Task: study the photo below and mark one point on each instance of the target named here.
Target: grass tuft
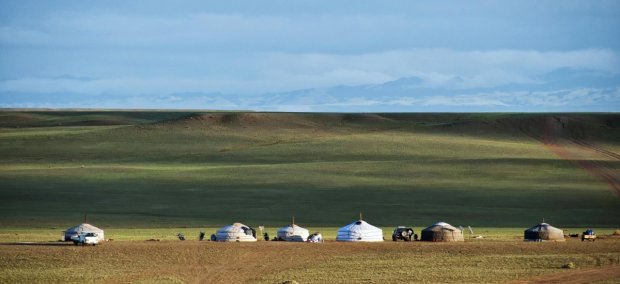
(569, 265)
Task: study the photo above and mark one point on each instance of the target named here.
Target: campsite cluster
(358, 231)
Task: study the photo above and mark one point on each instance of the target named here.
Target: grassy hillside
(154, 169)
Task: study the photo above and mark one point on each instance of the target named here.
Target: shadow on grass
(521, 161)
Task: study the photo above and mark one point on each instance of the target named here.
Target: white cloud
(275, 72)
(208, 31)
(133, 52)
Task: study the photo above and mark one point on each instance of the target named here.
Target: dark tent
(543, 232)
(442, 232)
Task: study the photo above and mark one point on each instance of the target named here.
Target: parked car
(85, 239)
(588, 235)
(315, 238)
(403, 233)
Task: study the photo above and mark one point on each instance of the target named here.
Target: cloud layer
(275, 72)
(143, 51)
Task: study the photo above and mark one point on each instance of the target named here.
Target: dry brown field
(474, 261)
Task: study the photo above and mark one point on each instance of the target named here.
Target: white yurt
(236, 232)
(293, 233)
(359, 231)
(82, 228)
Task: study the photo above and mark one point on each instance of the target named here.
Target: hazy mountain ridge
(564, 89)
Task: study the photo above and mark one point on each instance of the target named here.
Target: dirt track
(577, 276)
(558, 138)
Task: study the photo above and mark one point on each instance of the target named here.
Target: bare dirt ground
(593, 275)
(331, 262)
(560, 137)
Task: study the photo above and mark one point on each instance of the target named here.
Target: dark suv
(403, 233)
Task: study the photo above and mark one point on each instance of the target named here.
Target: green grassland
(149, 175)
(192, 169)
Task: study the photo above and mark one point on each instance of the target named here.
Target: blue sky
(312, 55)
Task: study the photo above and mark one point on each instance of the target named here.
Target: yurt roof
(292, 226)
(360, 223)
(85, 227)
(233, 227)
(443, 225)
(542, 225)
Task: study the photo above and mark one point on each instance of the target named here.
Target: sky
(312, 55)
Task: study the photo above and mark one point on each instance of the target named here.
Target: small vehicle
(315, 238)
(85, 239)
(588, 235)
(403, 233)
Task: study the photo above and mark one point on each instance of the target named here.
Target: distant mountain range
(564, 89)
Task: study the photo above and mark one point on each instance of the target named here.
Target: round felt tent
(359, 231)
(82, 228)
(293, 233)
(543, 232)
(442, 232)
(236, 232)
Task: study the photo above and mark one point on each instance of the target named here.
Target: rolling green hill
(154, 169)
